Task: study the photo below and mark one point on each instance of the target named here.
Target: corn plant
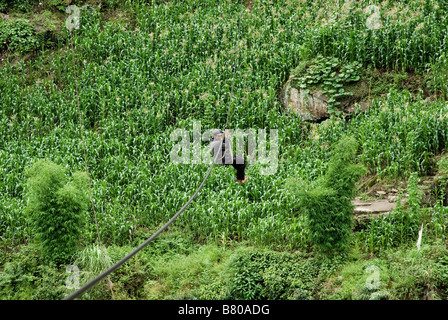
(175, 64)
(402, 225)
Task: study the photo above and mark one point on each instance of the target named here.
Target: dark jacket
(223, 148)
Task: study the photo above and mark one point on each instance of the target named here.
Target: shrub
(16, 5)
(55, 207)
(271, 275)
(342, 174)
(328, 205)
(27, 277)
(18, 35)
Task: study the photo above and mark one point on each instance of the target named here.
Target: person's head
(218, 134)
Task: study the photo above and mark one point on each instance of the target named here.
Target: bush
(16, 5)
(18, 35)
(27, 277)
(328, 205)
(55, 207)
(271, 275)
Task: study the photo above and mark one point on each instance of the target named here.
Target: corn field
(178, 64)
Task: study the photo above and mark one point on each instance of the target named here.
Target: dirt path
(381, 206)
(372, 208)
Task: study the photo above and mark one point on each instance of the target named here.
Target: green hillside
(142, 69)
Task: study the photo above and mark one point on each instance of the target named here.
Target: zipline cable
(107, 272)
(94, 281)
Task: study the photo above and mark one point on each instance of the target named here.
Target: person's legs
(239, 165)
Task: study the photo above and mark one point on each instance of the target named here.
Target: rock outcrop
(312, 104)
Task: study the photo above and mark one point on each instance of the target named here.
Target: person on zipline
(221, 145)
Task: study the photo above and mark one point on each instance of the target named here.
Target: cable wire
(94, 281)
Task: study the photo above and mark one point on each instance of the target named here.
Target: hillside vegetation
(145, 68)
